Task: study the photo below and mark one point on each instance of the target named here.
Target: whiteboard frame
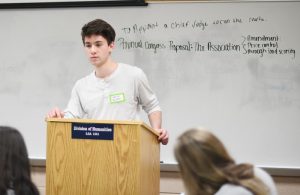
(72, 4)
(111, 3)
(274, 171)
(216, 1)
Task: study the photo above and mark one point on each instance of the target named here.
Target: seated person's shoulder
(267, 179)
(231, 189)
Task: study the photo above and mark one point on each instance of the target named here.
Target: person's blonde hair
(205, 165)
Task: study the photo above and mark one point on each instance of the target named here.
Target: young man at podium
(113, 91)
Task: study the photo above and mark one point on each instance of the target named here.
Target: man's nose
(93, 48)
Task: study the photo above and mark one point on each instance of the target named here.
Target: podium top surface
(118, 122)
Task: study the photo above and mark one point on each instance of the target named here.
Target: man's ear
(112, 45)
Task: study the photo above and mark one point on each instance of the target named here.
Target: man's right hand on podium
(55, 113)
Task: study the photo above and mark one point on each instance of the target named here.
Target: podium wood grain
(127, 165)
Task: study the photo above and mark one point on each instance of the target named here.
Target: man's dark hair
(98, 27)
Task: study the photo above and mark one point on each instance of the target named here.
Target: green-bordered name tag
(116, 98)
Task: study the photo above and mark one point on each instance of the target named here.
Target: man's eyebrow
(88, 42)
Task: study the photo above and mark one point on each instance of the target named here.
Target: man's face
(97, 49)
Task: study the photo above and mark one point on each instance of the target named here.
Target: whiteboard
(230, 67)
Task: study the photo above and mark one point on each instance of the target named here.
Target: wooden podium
(126, 162)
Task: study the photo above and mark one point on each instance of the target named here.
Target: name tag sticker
(92, 131)
(116, 98)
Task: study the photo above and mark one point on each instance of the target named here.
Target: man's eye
(88, 46)
(98, 45)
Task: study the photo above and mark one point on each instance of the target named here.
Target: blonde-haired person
(208, 169)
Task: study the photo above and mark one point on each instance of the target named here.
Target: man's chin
(94, 63)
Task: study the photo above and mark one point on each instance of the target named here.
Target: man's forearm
(155, 119)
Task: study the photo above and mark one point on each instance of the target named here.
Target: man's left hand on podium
(163, 136)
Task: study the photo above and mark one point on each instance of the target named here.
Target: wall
(171, 183)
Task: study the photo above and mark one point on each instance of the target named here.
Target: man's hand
(155, 121)
(55, 113)
(163, 136)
